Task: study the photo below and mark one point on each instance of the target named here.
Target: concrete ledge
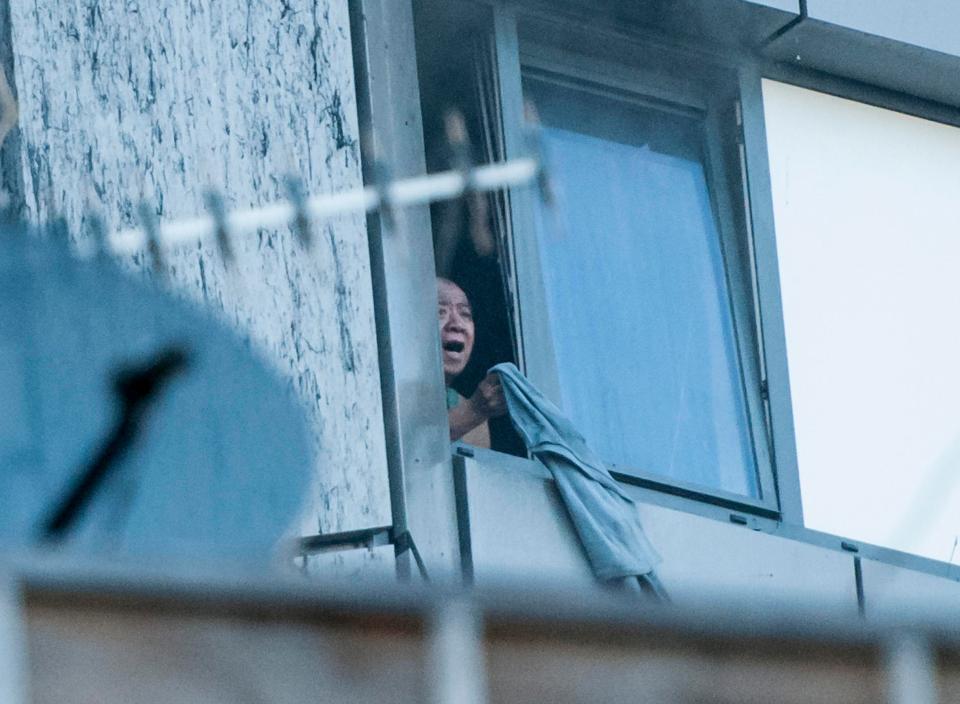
(514, 527)
(919, 58)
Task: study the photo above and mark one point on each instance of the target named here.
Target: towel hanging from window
(604, 516)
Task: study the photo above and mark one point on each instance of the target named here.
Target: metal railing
(446, 645)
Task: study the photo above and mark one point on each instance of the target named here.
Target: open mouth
(453, 347)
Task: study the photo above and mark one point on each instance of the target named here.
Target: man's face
(456, 328)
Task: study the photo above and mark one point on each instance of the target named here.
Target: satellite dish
(195, 448)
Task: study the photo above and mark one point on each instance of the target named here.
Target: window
(636, 292)
(638, 268)
(630, 303)
(865, 203)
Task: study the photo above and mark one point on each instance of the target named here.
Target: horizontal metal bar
(745, 505)
(346, 540)
(194, 587)
(418, 190)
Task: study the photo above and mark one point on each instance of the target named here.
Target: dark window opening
(449, 38)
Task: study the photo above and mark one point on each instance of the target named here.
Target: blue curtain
(638, 302)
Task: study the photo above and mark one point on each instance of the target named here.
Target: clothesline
(418, 190)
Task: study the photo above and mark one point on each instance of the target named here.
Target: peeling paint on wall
(123, 100)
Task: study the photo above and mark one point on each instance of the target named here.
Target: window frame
(516, 58)
(766, 275)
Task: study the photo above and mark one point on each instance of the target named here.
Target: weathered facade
(122, 104)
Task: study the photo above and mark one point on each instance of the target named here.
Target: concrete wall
(121, 101)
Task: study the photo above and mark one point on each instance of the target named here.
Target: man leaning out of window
(467, 416)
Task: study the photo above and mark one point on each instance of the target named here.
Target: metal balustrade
(81, 632)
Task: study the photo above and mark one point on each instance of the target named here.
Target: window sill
(514, 527)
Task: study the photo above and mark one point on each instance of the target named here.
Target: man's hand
(488, 400)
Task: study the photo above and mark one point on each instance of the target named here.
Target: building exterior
(741, 288)
(762, 82)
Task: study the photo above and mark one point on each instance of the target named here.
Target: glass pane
(868, 242)
(637, 297)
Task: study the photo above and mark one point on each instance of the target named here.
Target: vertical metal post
(456, 668)
(405, 295)
(13, 645)
(858, 582)
(539, 364)
(911, 670)
(768, 288)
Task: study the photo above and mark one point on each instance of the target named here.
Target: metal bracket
(366, 538)
(347, 540)
(403, 542)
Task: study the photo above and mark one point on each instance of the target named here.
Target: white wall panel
(898, 592)
(519, 529)
(704, 557)
(864, 200)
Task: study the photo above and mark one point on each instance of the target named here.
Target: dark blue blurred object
(219, 460)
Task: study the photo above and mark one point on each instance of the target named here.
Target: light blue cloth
(605, 518)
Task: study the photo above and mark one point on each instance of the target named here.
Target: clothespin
(458, 141)
(534, 145)
(301, 221)
(451, 224)
(96, 233)
(148, 221)
(455, 129)
(58, 231)
(95, 243)
(214, 203)
(382, 178)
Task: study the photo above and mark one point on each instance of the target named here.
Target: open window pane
(638, 303)
(868, 242)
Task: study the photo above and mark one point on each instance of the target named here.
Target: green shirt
(453, 398)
